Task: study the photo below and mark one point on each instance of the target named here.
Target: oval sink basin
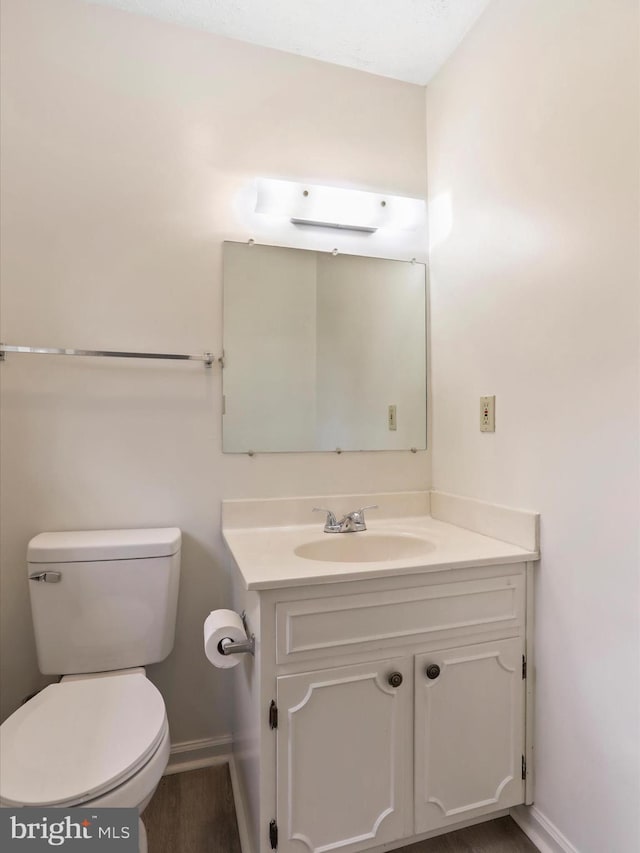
(365, 547)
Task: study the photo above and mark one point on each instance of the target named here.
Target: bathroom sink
(365, 547)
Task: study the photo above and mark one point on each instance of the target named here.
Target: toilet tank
(106, 599)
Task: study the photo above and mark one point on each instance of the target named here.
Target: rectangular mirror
(322, 351)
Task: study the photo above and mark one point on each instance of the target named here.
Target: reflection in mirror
(322, 351)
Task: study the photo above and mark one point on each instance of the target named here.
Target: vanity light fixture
(336, 207)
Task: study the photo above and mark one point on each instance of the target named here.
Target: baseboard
(241, 808)
(192, 754)
(539, 829)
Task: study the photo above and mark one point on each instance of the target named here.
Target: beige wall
(533, 158)
(128, 146)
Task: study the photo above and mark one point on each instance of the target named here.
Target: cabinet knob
(395, 679)
(433, 670)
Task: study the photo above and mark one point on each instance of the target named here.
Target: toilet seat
(80, 738)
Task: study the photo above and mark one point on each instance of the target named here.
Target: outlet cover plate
(488, 414)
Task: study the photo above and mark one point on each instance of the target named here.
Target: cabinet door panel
(343, 740)
(469, 733)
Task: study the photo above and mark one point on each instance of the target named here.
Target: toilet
(103, 604)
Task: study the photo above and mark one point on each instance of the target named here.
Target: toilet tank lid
(79, 546)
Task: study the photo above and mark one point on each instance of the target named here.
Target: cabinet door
(343, 776)
(469, 732)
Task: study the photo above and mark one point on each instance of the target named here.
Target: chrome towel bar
(207, 357)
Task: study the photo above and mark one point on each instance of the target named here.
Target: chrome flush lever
(46, 577)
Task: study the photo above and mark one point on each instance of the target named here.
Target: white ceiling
(405, 39)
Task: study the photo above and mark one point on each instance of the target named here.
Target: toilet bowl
(90, 741)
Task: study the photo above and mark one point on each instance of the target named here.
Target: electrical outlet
(488, 414)
(393, 425)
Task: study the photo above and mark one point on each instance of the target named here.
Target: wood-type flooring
(193, 812)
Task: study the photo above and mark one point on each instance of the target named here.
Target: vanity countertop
(267, 559)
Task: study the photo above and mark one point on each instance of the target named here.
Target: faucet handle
(362, 509)
(331, 519)
(354, 521)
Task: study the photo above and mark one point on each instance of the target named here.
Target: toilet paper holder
(227, 646)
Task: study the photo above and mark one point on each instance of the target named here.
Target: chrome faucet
(352, 522)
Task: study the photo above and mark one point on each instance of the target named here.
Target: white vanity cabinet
(380, 711)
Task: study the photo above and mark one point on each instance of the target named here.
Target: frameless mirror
(322, 351)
